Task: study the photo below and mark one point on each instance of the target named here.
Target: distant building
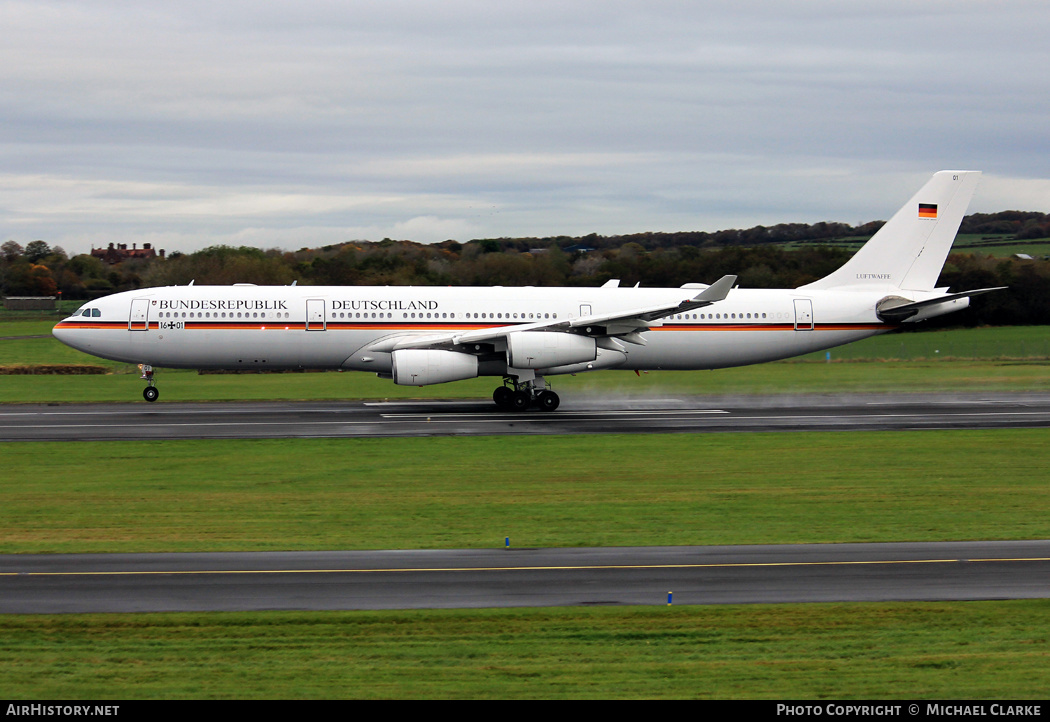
(118, 252)
(29, 303)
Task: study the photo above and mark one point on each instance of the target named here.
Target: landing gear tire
(503, 397)
(150, 393)
(520, 400)
(548, 400)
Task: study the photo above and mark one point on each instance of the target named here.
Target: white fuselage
(426, 335)
(332, 327)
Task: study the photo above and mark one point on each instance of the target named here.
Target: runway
(578, 415)
(524, 578)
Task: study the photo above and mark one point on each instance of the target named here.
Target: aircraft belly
(276, 347)
(696, 349)
(688, 350)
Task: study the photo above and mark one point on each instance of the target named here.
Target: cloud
(201, 121)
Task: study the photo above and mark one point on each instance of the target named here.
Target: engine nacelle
(546, 349)
(606, 359)
(422, 367)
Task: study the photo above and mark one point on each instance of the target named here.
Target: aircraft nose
(63, 334)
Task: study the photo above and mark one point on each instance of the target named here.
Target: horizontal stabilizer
(895, 308)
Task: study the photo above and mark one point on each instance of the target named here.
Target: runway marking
(478, 401)
(595, 567)
(738, 419)
(932, 403)
(520, 416)
(477, 414)
(139, 425)
(171, 411)
(354, 422)
(465, 402)
(560, 414)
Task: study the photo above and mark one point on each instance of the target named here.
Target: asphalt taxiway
(523, 577)
(578, 415)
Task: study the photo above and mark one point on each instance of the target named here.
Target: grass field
(553, 491)
(1006, 359)
(550, 491)
(1000, 246)
(954, 651)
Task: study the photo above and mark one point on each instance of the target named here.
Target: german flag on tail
(928, 210)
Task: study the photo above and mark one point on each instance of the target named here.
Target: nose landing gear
(150, 393)
(515, 396)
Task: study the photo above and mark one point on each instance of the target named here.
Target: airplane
(417, 336)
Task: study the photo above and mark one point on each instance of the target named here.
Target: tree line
(651, 259)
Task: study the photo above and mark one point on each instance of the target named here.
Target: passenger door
(139, 320)
(803, 314)
(315, 318)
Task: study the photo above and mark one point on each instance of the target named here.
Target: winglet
(717, 291)
(714, 293)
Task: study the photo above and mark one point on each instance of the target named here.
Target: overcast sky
(281, 124)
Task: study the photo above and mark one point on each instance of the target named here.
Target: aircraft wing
(623, 324)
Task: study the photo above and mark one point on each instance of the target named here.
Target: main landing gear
(515, 396)
(150, 393)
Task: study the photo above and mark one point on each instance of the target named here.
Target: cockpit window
(90, 312)
(86, 312)
(95, 313)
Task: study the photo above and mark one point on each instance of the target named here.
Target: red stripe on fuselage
(388, 326)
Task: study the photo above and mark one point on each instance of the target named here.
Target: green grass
(10, 328)
(1001, 245)
(986, 650)
(1002, 342)
(776, 378)
(549, 491)
(999, 359)
(997, 245)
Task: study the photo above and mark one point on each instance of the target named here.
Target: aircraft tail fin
(909, 251)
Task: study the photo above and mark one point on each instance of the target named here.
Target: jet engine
(422, 367)
(545, 349)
